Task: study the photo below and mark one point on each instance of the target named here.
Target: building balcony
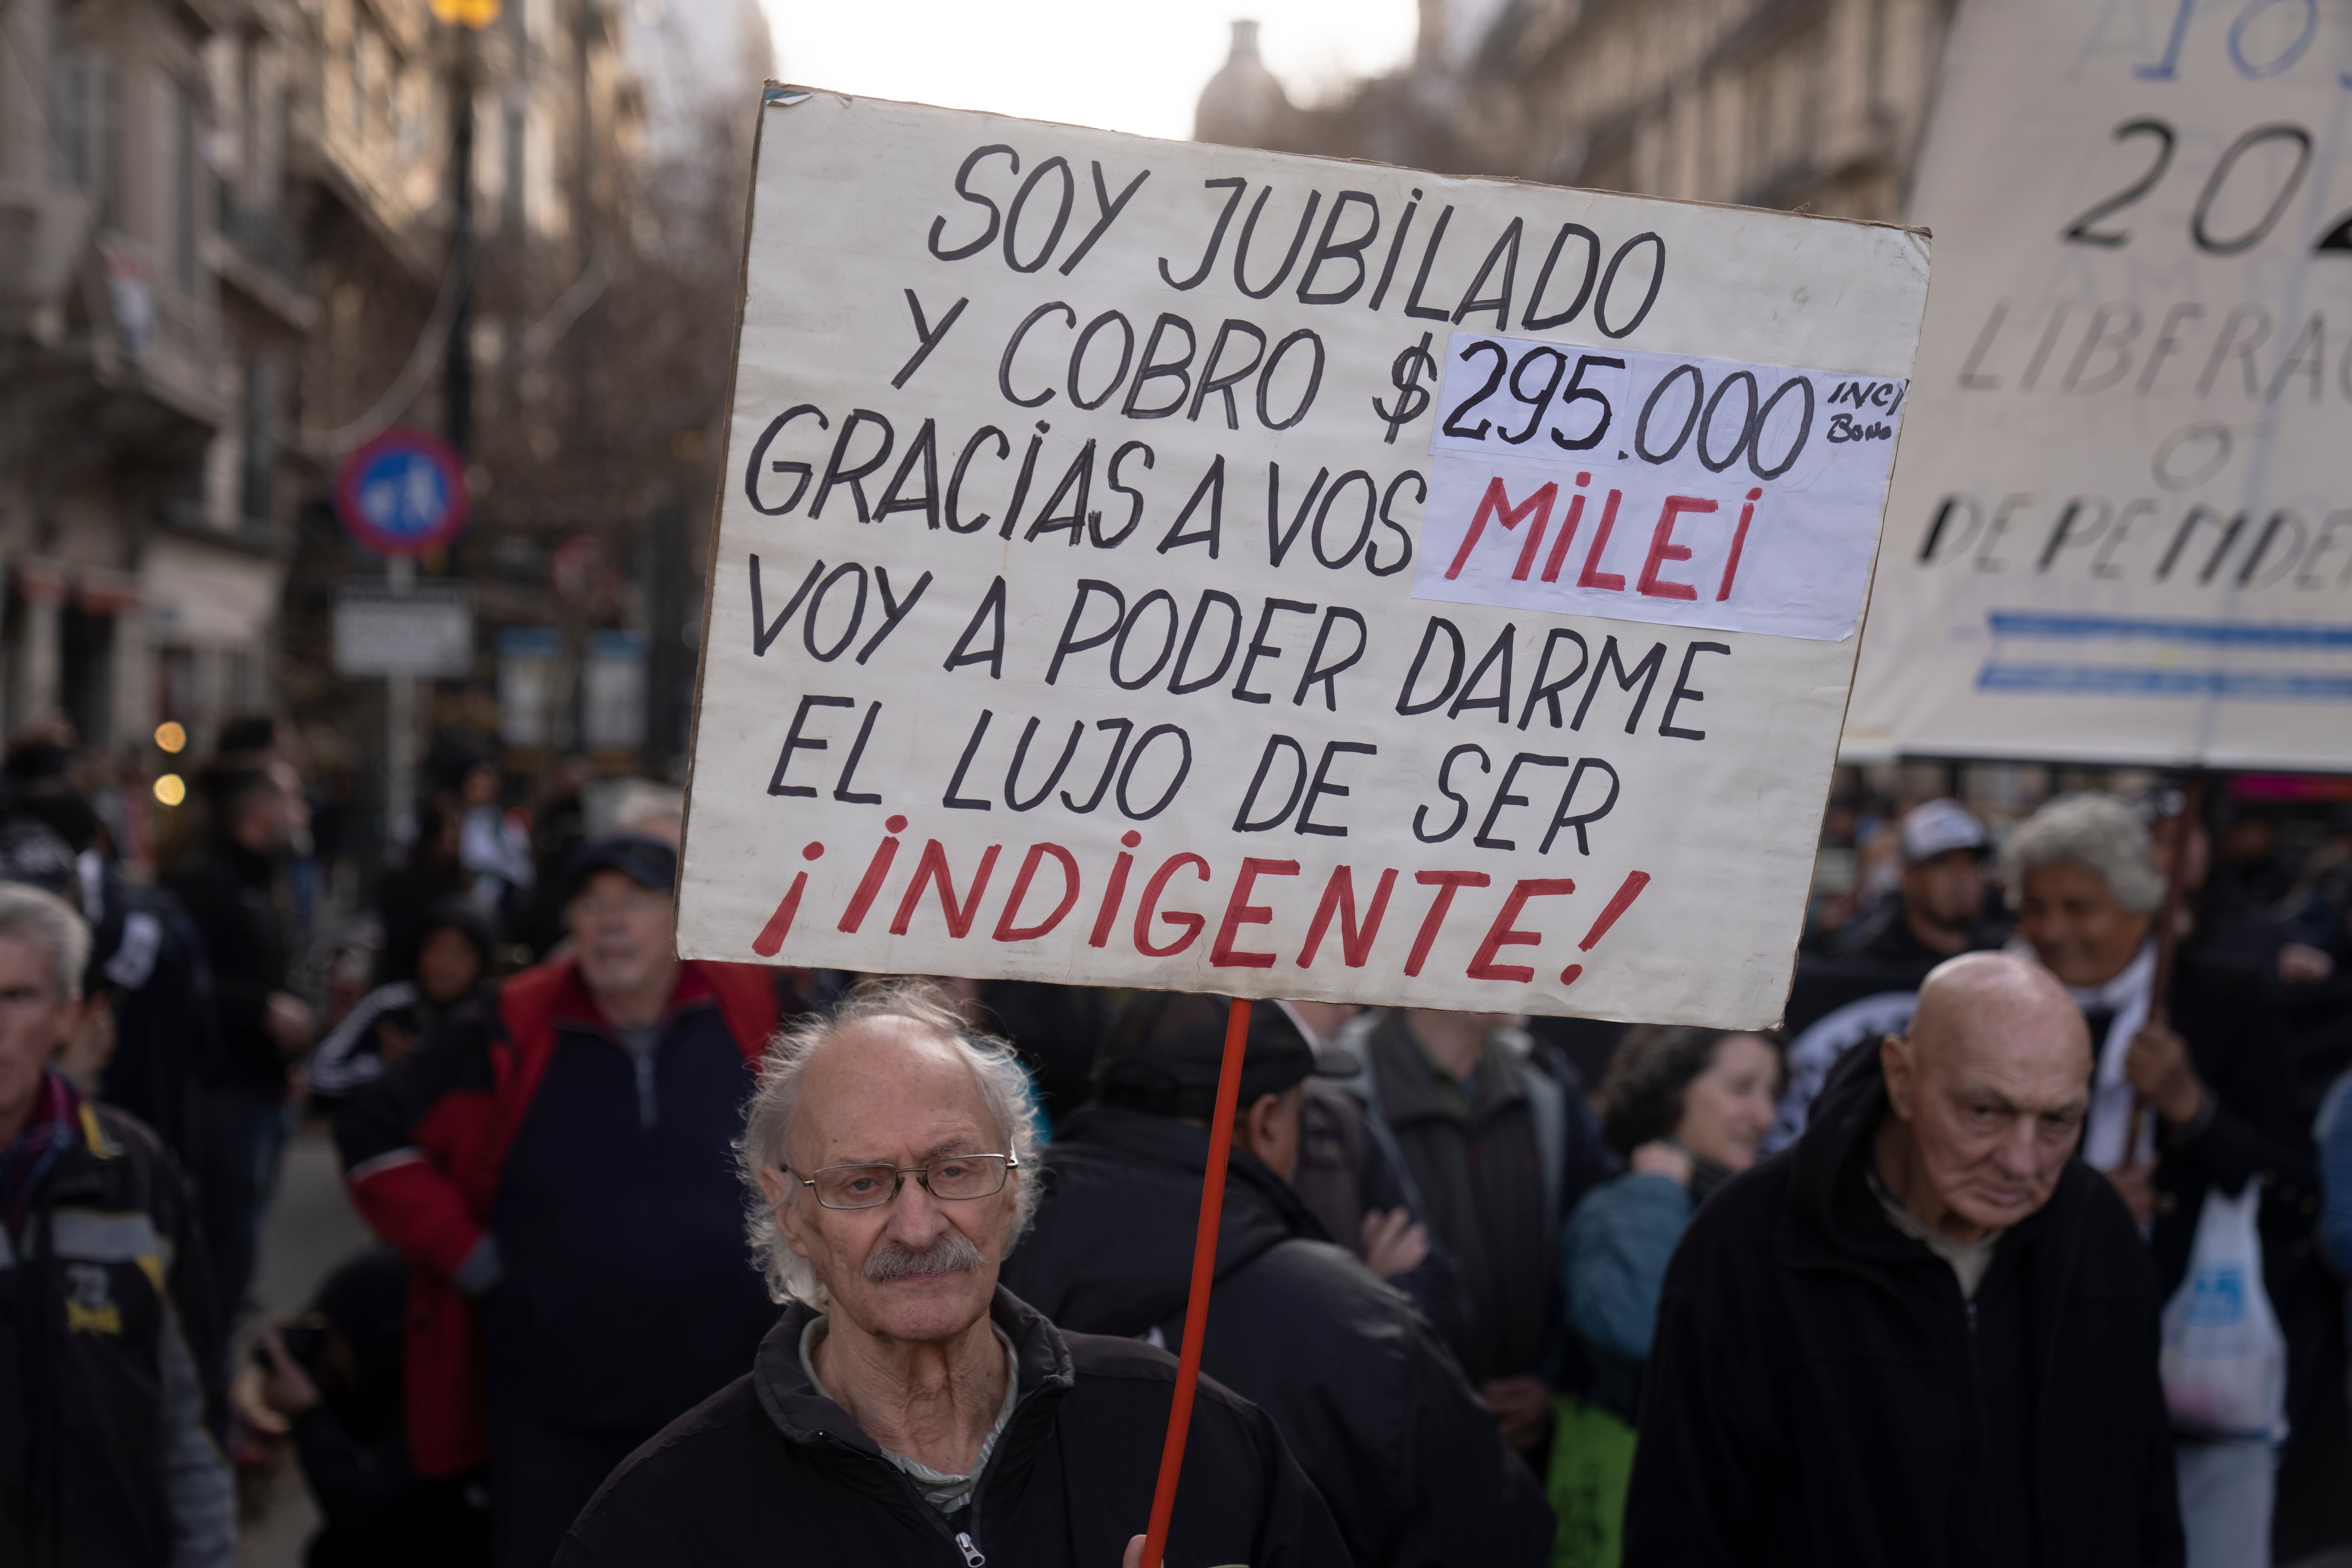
(375, 186)
(44, 231)
(262, 240)
(256, 255)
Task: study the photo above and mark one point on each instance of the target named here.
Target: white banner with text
(2122, 532)
(1080, 607)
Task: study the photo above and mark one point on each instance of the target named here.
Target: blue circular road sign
(403, 493)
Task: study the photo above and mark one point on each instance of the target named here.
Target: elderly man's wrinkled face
(919, 1268)
(1994, 1084)
(2078, 930)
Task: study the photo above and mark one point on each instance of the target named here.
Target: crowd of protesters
(676, 1262)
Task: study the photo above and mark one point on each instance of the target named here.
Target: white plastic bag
(2224, 1358)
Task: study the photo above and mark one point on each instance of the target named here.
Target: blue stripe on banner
(2107, 680)
(2232, 634)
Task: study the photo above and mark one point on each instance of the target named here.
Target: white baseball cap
(1939, 827)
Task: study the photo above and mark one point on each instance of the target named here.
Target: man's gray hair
(2097, 832)
(43, 920)
(1003, 1085)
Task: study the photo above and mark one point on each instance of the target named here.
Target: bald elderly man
(906, 1409)
(1925, 1336)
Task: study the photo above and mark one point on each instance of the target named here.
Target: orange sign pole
(1204, 1273)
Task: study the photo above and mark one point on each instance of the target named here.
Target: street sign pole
(401, 494)
(400, 725)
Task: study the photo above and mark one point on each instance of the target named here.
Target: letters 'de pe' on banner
(1155, 565)
(2123, 528)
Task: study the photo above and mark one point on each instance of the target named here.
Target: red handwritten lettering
(1502, 934)
(933, 867)
(1340, 898)
(1006, 929)
(1240, 912)
(1497, 504)
(1448, 884)
(1592, 576)
(1664, 548)
(1184, 920)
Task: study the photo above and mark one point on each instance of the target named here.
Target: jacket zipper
(973, 1557)
(1976, 1392)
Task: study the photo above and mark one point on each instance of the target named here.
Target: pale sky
(1120, 65)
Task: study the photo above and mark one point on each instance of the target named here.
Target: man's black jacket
(1362, 1388)
(230, 894)
(148, 957)
(1886, 936)
(1821, 1396)
(767, 1471)
(111, 1393)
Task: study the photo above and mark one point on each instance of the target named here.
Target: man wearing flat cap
(1363, 1390)
(555, 1161)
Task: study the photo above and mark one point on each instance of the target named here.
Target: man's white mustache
(952, 1253)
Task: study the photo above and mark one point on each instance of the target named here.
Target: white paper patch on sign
(1649, 486)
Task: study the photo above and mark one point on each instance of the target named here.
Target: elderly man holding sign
(906, 1408)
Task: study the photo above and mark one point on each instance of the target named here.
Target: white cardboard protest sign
(2123, 527)
(1076, 612)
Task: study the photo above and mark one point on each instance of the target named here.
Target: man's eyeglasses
(952, 1177)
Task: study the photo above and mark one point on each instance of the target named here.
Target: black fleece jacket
(1820, 1394)
(767, 1471)
(1364, 1391)
(230, 894)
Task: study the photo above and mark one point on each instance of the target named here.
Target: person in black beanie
(1360, 1384)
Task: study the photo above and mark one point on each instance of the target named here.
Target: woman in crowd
(456, 944)
(1685, 1108)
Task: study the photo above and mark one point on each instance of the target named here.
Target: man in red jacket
(556, 1161)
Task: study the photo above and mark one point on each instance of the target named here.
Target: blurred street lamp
(170, 737)
(171, 789)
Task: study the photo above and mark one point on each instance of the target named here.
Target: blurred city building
(1785, 103)
(230, 253)
(575, 351)
(145, 338)
(1812, 104)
